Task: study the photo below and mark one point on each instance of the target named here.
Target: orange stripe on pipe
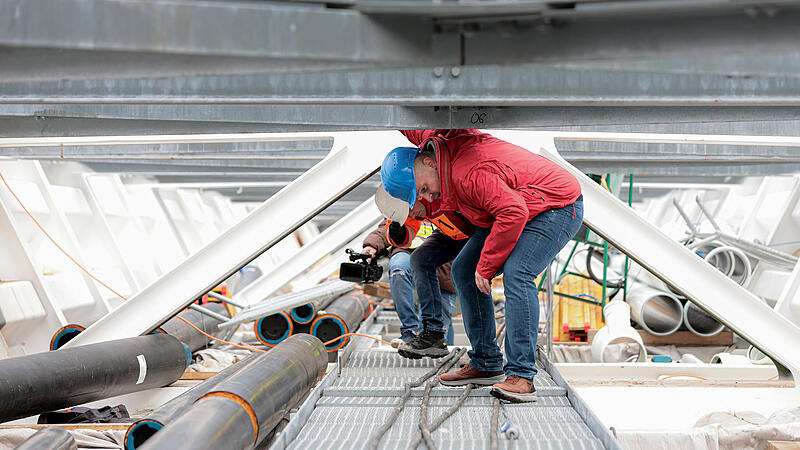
(241, 402)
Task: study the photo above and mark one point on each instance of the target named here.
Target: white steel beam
(354, 158)
(676, 265)
(345, 229)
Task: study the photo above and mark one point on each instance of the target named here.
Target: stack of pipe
(735, 264)
(275, 328)
(273, 317)
(342, 316)
(242, 410)
(42, 382)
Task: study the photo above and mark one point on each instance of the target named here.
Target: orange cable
(776, 376)
(53, 240)
(98, 280)
(683, 375)
(218, 339)
(355, 334)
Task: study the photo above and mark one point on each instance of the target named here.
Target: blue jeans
(542, 238)
(401, 284)
(436, 305)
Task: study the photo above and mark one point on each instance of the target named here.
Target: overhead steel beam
(495, 10)
(686, 169)
(236, 28)
(27, 64)
(218, 163)
(763, 64)
(39, 122)
(256, 150)
(439, 86)
(191, 171)
(621, 36)
(354, 159)
(723, 119)
(402, 32)
(679, 154)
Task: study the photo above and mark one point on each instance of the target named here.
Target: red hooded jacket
(495, 184)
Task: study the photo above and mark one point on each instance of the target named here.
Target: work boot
(470, 375)
(515, 389)
(429, 343)
(405, 338)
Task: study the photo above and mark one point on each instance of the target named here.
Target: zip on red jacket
(495, 184)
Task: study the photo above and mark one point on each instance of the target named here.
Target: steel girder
(296, 36)
(485, 86)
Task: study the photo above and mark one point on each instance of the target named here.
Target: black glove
(397, 232)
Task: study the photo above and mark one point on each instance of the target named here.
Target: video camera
(360, 272)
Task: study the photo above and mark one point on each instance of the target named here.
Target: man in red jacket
(525, 209)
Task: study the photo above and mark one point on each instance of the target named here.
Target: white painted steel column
(345, 229)
(353, 158)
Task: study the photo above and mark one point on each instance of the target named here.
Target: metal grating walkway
(359, 401)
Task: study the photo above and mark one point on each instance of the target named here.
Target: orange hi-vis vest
(444, 224)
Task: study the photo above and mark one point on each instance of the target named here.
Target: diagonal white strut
(354, 158)
(701, 283)
(345, 229)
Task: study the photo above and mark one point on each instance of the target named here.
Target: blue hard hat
(397, 174)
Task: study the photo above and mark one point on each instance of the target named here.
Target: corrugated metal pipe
(244, 408)
(42, 382)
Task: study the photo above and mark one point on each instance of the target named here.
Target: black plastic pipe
(244, 408)
(273, 329)
(64, 335)
(341, 317)
(181, 331)
(141, 430)
(304, 314)
(47, 381)
(49, 438)
(174, 327)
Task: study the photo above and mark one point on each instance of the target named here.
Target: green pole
(627, 260)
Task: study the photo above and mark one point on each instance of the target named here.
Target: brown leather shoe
(470, 375)
(515, 389)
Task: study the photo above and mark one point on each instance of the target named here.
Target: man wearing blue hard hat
(525, 208)
(436, 252)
